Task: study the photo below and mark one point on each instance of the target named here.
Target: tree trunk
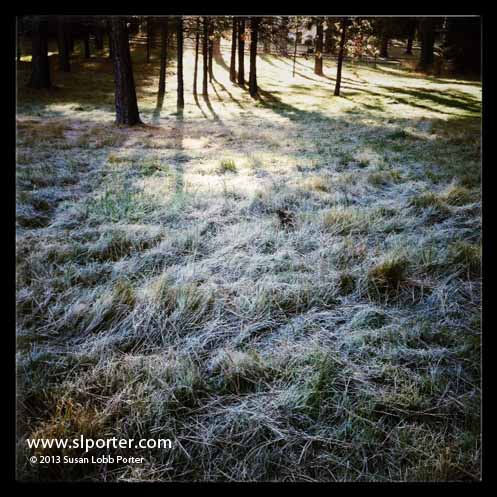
(86, 41)
(163, 59)
(284, 37)
(179, 40)
(318, 56)
(152, 35)
(63, 45)
(295, 47)
(99, 38)
(340, 57)
(328, 37)
(427, 36)
(19, 39)
(384, 46)
(254, 28)
(205, 68)
(109, 29)
(148, 41)
(410, 41)
(234, 36)
(410, 38)
(40, 64)
(195, 70)
(267, 45)
(267, 36)
(126, 104)
(216, 46)
(211, 48)
(241, 51)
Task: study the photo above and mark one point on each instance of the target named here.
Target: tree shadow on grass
(179, 183)
(219, 59)
(223, 88)
(380, 137)
(211, 109)
(460, 101)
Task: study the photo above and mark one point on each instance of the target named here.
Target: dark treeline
(453, 43)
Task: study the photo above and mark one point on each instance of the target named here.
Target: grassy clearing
(161, 294)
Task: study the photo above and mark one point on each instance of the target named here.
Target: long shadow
(214, 88)
(400, 100)
(223, 88)
(213, 112)
(218, 57)
(416, 75)
(329, 78)
(179, 183)
(268, 59)
(464, 102)
(381, 140)
(195, 97)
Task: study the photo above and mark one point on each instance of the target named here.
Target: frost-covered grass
(160, 296)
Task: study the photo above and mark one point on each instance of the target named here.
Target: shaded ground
(160, 296)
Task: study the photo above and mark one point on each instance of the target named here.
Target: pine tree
(318, 56)
(328, 37)
(179, 39)
(163, 58)
(195, 70)
(149, 35)
(40, 65)
(254, 28)
(341, 52)
(126, 104)
(63, 44)
(86, 42)
(427, 36)
(205, 39)
(241, 51)
(234, 36)
(211, 48)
